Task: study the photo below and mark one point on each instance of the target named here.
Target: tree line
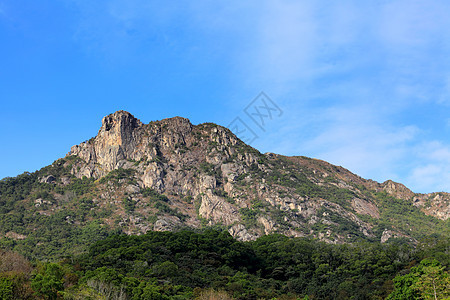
(192, 265)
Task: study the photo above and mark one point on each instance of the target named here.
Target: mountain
(171, 174)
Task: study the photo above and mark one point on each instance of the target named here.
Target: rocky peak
(177, 124)
(122, 139)
(118, 127)
(211, 175)
(116, 141)
(173, 131)
(397, 190)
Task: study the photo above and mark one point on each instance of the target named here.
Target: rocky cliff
(210, 177)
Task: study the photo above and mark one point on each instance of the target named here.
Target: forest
(210, 264)
(57, 244)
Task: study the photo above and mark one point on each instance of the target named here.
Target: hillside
(171, 174)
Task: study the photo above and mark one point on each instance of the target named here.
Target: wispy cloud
(357, 139)
(401, 41)
(352, 72)
(360, 70)
(432, 167)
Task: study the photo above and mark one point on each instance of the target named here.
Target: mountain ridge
(122, 138)
(170, 174)
(395, 189)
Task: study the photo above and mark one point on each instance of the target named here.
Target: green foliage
(187, 265)
(15, 189)
(286, 174)
(428, 280)
(241, 177)
(129, 205)
(249, 216)
(257, 203)
(6, 288)
(56, 236)
(182, 148)
(220, 193)
(163, 208)
(208, 168)
(165, 269)
(43, 195)
(188, 199)
(213, 259)
(149, 291)
(119, 174)
(279, 217)
(48, 281)
(160, 203)
(344, 226)
(404, 216)
(433, 283)
(154, 195)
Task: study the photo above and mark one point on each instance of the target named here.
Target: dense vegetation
(395, 214)
(27, 210)
(187, 265)
(62, 237)
(50, 220)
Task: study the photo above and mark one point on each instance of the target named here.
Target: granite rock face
(212, 177)
(116, 141)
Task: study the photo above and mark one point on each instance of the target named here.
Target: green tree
(434, 283)
(165, 270)
(428, 280)
(148, 291)
(403, 288)
(48, 281)
(6, 288)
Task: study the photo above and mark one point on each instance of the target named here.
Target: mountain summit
(227, 182)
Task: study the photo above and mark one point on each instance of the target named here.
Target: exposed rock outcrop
(211, 176)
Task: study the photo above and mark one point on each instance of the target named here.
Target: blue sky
(365, 85)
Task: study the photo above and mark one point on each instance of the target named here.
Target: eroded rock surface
(211, 177)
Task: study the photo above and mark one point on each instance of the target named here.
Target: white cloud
(356, 139)
(432, 173)
(286, 40)
(367, 143)
(350, 71)
(444, 99)
(424, 176)
(435, 151)
(432, 168)
(372, 65)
